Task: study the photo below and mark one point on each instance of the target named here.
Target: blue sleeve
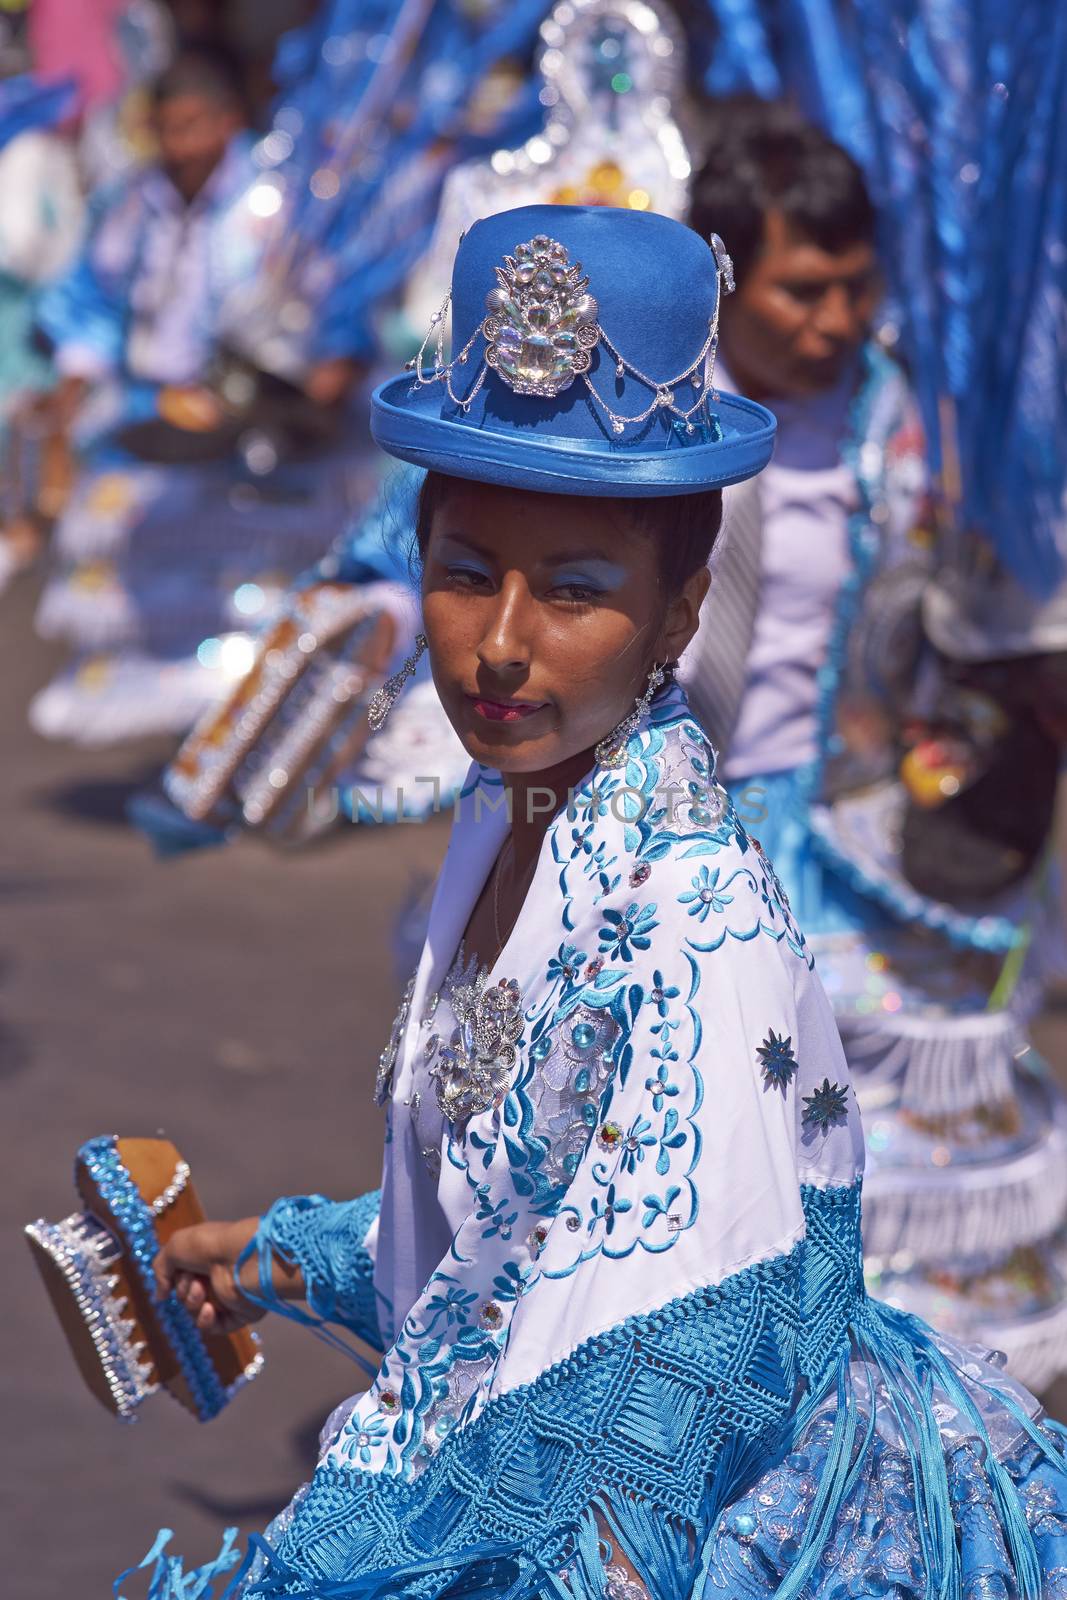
(86, 310)
(332, 1242)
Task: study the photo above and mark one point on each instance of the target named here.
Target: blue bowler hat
(583, 351)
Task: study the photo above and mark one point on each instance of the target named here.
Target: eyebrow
(558, 558)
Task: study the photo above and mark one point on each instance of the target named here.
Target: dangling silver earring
(386, 697)
(611, 752)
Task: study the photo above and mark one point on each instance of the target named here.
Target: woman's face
(544, 614)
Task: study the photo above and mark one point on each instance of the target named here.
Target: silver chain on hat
(700, 372)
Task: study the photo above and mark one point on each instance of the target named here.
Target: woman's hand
(200, 1265)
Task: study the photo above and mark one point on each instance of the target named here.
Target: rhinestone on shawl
(538, 1238)
(491, 1316)
(387, 1060)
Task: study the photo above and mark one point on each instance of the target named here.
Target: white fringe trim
(88, 619)
(934, 1066)
(153, 698)
(91, 528)
(1036, 1348)
(970, 1210)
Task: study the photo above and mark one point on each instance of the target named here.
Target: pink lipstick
(505, 710)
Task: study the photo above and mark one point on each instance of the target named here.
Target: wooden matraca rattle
(97, 1268)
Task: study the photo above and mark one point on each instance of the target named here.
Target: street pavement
(237, 999)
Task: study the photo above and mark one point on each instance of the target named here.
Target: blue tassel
(169, 1582)
(268, 1300)
(901, 1353)
(163, 1538)
(913, 1340)
(842, 1465)
(660, 1550)
(479, 1572)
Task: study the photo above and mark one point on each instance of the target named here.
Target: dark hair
(206, 71)
(763, 156)
(684, 526)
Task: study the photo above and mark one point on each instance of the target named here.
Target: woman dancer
(614, 1267)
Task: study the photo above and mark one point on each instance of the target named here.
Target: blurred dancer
(138, 302)
(207, 473)
(807, 668)
(41, 215)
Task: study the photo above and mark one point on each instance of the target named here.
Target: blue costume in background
(155, 565)
(40, 220)
(966, 1189)
(955, 113)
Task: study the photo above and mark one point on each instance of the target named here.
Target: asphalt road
(237, 999)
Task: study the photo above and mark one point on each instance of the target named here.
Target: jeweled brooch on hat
(540, 331)
(542, 325)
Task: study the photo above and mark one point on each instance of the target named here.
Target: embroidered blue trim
(993, 933)
(136, 1223)
(651, 1408)
(982, 933)
(324, 1238)
(657, 1428)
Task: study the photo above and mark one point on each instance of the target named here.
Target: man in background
(794, 211)
(141, 300)
(877, 769)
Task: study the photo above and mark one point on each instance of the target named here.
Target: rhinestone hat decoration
(540, 331)
(541, 327)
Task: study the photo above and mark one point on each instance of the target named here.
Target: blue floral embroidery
(566, 965)
(659, 1084)
(639, 1139)
(670, 1139)
(360, 1446)
(501, 1217)
(705, 895)
(607, 1210)
(662, 993)
(454, 1305)
(659, 1205)
(509, 1283)
(628, 931)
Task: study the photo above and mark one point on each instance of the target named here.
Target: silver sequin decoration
(472, 1070)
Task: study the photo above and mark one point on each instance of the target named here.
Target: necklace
(509, 845)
